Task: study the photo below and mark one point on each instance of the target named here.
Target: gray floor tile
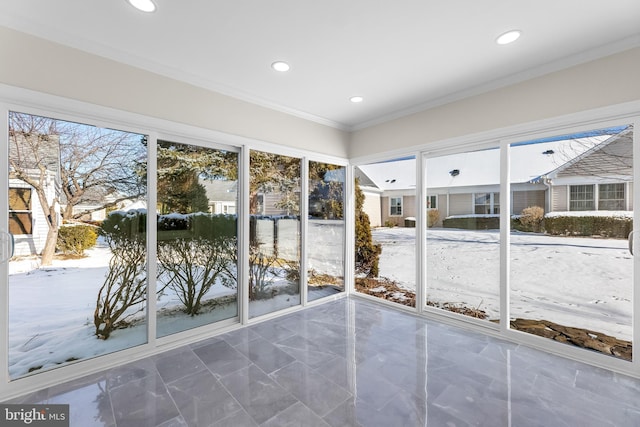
(272, 332)
(305, 350)
(221, 358)
(258, 394)
(179, 364)
(238, 419)
(89, 405)
(202, 399)
(142, 403)
(311, 388)
(296, 415)
(265, 355)
(350, 363)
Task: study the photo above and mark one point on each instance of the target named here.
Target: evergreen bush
(367, 252)
(75, 239)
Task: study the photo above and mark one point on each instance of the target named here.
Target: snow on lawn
(574, 281)
(51, 308)
(51, 313)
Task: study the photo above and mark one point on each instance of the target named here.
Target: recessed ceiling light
(509, 37)
(143, 5)
(356, 99)
(280, 66)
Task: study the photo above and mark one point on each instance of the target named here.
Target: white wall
(37, 64)
(607, 81)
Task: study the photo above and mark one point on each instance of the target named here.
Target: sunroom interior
(298, 332)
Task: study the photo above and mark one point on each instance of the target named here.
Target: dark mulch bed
(584, 338)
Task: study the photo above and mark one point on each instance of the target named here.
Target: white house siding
(559, 198)
(630, 196)
(32, 244)
(524, 199)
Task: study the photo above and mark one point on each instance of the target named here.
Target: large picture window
(581, 198)
(611, 197)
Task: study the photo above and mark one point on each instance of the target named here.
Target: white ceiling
(400, 55)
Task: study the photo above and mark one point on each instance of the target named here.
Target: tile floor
(350, 363)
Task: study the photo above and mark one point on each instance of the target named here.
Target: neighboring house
(92, 205)
(590, 173)
(598, 179)
(27, 221)
(222, 195)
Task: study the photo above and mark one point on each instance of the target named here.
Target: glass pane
(325, 236)
(385, 244)
(78, 281)
(197, 236)
(463, 234)
(19, 199)
(571, 270)
(274, 232)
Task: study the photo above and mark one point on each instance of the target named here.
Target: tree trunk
(49, 249)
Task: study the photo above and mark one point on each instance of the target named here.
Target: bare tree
(100, 166)
(70, 163)
(34, 159)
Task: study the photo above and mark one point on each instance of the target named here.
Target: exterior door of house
(571, 277)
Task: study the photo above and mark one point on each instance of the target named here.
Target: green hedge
(132, 225)
(472, 223)
(605, 226)
(76, 239)
(201, 225)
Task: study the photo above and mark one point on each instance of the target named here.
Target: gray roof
(221, 190)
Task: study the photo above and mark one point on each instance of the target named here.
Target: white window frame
(398, 206)
(431, 197)
(494, 202)
(623, 200)
(592, 200)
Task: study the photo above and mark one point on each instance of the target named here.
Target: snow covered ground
(574, 281)
(51, 308)
(51, 313)
(583, 282)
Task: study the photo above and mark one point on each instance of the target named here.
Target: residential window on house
(611, 197)
(581, 198)
(395, 204)
(20, 221)
(432, 202)
(486, 203)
